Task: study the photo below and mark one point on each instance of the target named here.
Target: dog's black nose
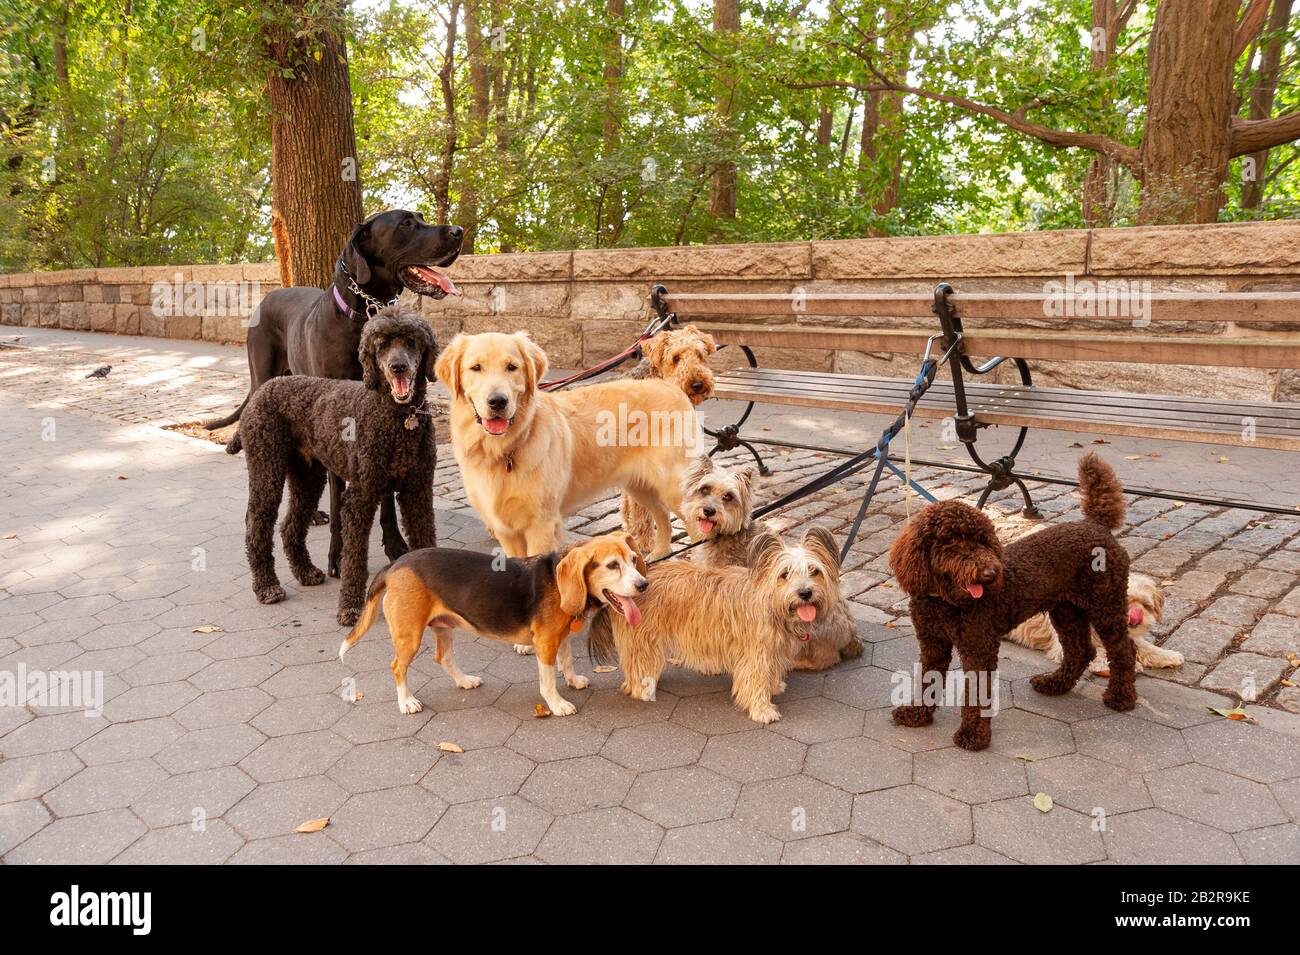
(708, 511)
(498, 402)
(805, 594)
(455, 232)
(398, 368)
(641, 587)
(697, 386)
(988, 575)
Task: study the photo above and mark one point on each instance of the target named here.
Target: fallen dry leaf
(540, 712)
(603, 668)
(1043, 802)
(1026, 759)
(121, 477)
(1132, 457)
(1288, 682)
(10, 537)
(1237, 714)
(314, 825)
(1100, 441)
(1223, 458)
(447, 747)
(208, 628)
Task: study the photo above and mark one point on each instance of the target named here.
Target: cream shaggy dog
(530, 458)
(1145, 602)
(749, 621)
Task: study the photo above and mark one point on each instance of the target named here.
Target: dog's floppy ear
(821, 543)
(353, 258)
(371, 338)
(447, 366)
(571, 579)
(710, 346)
(763, 549)
(636, 551)
(746, 476)
(654, 348)
(535, 363)
(699, 467)
(430, 350)
(907, 557)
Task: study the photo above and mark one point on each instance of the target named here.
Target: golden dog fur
(551, 461)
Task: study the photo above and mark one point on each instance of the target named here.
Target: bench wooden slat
(1018, 407)
(1063, 346)
(1265, 307)
(1287, 414)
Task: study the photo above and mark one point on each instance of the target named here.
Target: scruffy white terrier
(1145, 603)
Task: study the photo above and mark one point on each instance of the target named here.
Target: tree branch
(1252, 21)
(1252, 135)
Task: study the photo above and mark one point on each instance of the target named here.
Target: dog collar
(343, 306)
(373, 305)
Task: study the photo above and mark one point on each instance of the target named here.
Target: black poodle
(376, 434)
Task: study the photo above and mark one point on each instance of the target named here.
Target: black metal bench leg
(728, 437)
(1002, 475)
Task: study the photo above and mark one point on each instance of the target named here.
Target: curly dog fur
(369, 432)
(967, 591)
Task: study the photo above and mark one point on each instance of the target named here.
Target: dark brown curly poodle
(967, 591)
(375, 434)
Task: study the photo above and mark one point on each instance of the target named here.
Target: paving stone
(1172, 705)
(1024, 735)
(1247, 676)
(304, 714)
(711, 714)
(683, 796)
(1202, 640)
(28, 777)
(1244, 750)
(1088, 785)
(816, 719)
(399, 855)
(370, 722)
(722, 842)
(1287, 795)
(1156, 837)
(107, 786)
(794, 807)
(610, 706)
(184, 845)
(276, 809)
(962, 855)
(296, 849)
(234, 674)
(123, 741)
(654, 746)
(1275, 635)
(209, 748)
(1236, 610)
(912, 820)
(1016, 829)
(146, 702)
(858, 765)
(489, 830)
(840, 848)
(864, 687)
(383, 765)
(612, 836)
(970, 777)
(1080, 704)
(1135, 744)
(1213, 797)
(288, 757)
(165, 668)
(755, 755)
(49, 734)
(572, 785)
(1276, 845)
(79, 840)
(478, 774)
(469, 729)
(19, 821)
(206, 794)
(387, 818)
(557, 738)
(1263, 583)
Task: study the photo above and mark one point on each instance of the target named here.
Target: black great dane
(307, 331)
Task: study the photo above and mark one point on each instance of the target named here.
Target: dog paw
(974, 737)
(332, 568)
(1051, 684)
(912, 715)
(469, 682)
(524, 649)
(780, 688)
(577, 682)
(1122, 698)
(410, 706)
(311, 577)
(269, 595)
(349, 616)
(765, 714)
(562, 707)
(320, 519)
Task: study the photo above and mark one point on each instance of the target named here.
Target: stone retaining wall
(585, 305)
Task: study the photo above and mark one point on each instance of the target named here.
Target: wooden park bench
(957, 323)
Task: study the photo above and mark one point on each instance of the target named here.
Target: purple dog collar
(343, 306)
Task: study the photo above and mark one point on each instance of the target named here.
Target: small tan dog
(1145, 602)
(529, 458)
(719, 503)
(680, 356)
(749, 621)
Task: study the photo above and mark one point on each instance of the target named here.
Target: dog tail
(368, 613)
(1103, 497)
(600, 639)
(229, 419)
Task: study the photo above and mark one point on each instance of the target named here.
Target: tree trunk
(480, 82)
(315, 183)
(1187, 144)
(722, 201)
(1096, 200)
(1261, 97)
(611, 226)
(446, 75)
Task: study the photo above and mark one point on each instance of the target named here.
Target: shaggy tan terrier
(719, 503)
(1145, 602)
(749, 621)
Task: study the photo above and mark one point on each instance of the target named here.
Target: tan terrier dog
(749, 621)
(717, 504)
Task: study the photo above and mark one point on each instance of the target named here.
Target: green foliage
(152, 144)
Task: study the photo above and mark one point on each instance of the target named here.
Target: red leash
(654, 328)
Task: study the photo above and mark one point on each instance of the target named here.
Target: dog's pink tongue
(706, 527)
(631, 611)
(975, 590)
(1134, 616)
(401, 386)
(434, 277)
(497, 425)
(807, 612)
